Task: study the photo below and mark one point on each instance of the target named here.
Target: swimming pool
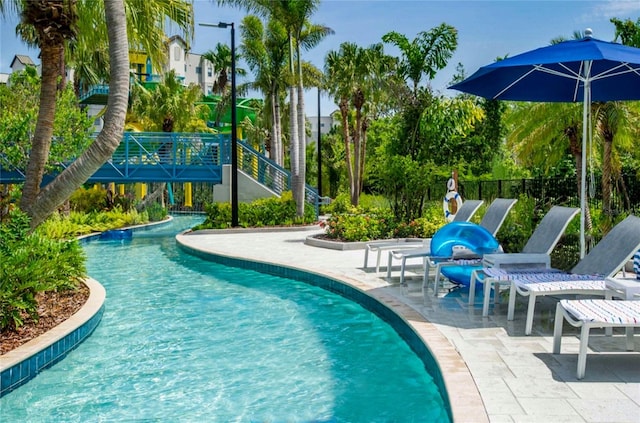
(184, 339)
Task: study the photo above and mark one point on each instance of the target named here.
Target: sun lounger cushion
(604, 311)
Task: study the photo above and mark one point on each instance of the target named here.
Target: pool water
(188, 340)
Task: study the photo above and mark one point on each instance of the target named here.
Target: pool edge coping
(24, 363)
(91, 309)
(466, 405)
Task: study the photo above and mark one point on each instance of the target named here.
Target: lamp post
(319, 150)
(234, 123)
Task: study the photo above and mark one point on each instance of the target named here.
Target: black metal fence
(563, 191)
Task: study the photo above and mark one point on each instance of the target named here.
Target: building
(326, 123)
(192, 68)
(20, 62)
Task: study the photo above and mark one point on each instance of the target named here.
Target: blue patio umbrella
(571, 71)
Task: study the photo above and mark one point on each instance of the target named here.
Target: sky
(486, 29)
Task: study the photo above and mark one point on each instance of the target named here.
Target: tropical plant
(265, 50)
(29, 264)
(428, 53)
(356, 74)
(54, 23)
(294, 15)
(20, 102)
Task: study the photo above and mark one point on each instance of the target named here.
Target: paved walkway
(517, 377)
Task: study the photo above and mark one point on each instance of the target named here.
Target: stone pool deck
(493, 372)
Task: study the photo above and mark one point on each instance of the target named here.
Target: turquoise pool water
(188, 340)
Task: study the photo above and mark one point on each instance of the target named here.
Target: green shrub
(89, 200)
(156, 212)
(58, 226)
(273, 211)
(31, 263)
(361, 224)
(375, 224)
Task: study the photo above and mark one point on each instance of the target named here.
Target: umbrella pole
(586, 116)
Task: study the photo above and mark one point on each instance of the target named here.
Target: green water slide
(245, 108)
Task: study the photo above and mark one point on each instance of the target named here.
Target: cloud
(621, 9)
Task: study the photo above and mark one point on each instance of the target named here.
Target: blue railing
(178, 157)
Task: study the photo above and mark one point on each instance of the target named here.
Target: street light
(234, 123)
(319, 150)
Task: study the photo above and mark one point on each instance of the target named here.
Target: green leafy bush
(156, 212)
(89, 200)
(362, 224)
(272, 211)
(31, 263)
(58, 226)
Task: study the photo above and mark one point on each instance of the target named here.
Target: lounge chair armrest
(516, 259)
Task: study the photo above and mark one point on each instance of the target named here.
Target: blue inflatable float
(462, 234)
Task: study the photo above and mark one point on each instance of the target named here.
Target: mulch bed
(53, 309)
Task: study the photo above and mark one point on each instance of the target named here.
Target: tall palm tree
(54, 23)
(294, 15)
(265, 50)
(357, 74)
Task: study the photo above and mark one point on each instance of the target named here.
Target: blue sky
(486, 29)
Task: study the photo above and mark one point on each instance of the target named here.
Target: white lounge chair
(492, 220)
(465, 213)
(588, 277)
(594, 313)
(535, 254)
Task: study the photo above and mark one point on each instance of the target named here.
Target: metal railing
(179, 157)
(269, 174)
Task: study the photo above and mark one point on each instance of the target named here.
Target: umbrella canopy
(571, 71)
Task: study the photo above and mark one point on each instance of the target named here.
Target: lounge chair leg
(389, 265)
(487, 296)
(629, 334)
(512, 301)
(472, 288)
(366, 256)
(557, 329)
(582, 354)
(378, 261)
(530, 313)
(436, 283)
(402, 267)
(425, 277)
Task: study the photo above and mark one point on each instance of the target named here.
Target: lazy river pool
(184, 339)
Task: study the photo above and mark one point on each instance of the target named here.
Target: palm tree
(45, 202)
(168, 107)
(56, 23)
(265, 50)
(428, 53)
(356, 75)
(294, 15)
(220, 57)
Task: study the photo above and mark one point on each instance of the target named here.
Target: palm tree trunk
(293, 131)
(363, 151)
(41, 143)
(109, 138)
(275, 152)
(302, 140)
(606, 177)
(344, 114)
